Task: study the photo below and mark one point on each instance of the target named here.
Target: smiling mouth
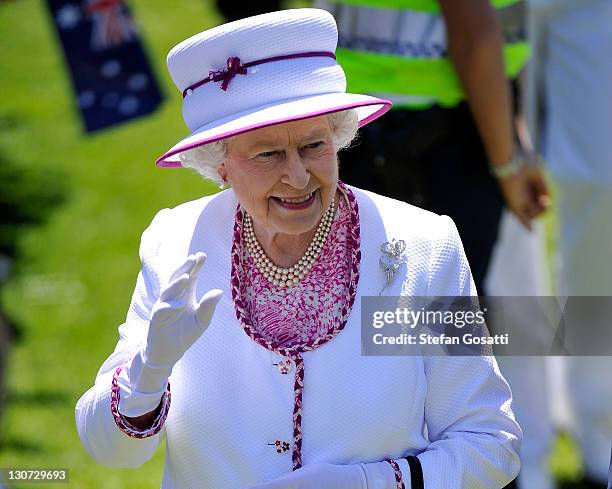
(296, 203)
(296, 200)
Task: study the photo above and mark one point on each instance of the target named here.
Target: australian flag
(111, 75)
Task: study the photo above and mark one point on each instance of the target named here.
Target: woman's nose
(296, 171)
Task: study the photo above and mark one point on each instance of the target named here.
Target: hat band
(235, 67)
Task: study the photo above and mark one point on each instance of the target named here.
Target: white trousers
(518, 268)
(571, 86)
(585, 268)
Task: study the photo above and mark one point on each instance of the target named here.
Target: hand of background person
(526, 193)
(376, 475)
(177, 321)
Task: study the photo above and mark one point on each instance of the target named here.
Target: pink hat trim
(172, 164)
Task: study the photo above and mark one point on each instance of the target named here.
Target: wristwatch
(508, 169)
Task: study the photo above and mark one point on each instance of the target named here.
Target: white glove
(177, 321)
(377, 475)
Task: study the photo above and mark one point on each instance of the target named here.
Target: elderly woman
(260, 347)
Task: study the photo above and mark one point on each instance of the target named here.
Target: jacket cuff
(378, 475)
(399, 481)
(121, 421)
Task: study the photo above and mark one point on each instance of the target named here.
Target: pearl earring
(223, 183)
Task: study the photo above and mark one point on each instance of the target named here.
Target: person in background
(571, 115)
(518, 269)
(233, 10)
(448, 145)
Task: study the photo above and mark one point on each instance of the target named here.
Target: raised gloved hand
(177, 321)
(377, 475)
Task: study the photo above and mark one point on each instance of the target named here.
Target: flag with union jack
(110, 72)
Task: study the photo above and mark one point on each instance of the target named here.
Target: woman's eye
(316, 145)
(266, 154)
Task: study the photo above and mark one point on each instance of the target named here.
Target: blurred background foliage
(91, 197)
(73, 280)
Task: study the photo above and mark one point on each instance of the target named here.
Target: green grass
(77, 272)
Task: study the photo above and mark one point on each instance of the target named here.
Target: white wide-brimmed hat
(260, 71)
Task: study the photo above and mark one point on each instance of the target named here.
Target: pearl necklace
(284, 277)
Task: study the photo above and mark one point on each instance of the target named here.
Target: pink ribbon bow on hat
(234, 67)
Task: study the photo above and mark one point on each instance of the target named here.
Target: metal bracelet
(508, 169)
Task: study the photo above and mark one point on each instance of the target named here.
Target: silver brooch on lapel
(391, 258)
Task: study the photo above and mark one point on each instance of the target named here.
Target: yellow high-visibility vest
(397, 49)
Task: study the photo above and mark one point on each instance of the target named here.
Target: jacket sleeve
(474, 439)
(96, 426)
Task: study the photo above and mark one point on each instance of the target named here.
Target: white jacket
(230, 402)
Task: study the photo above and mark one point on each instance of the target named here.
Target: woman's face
(284, 175)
